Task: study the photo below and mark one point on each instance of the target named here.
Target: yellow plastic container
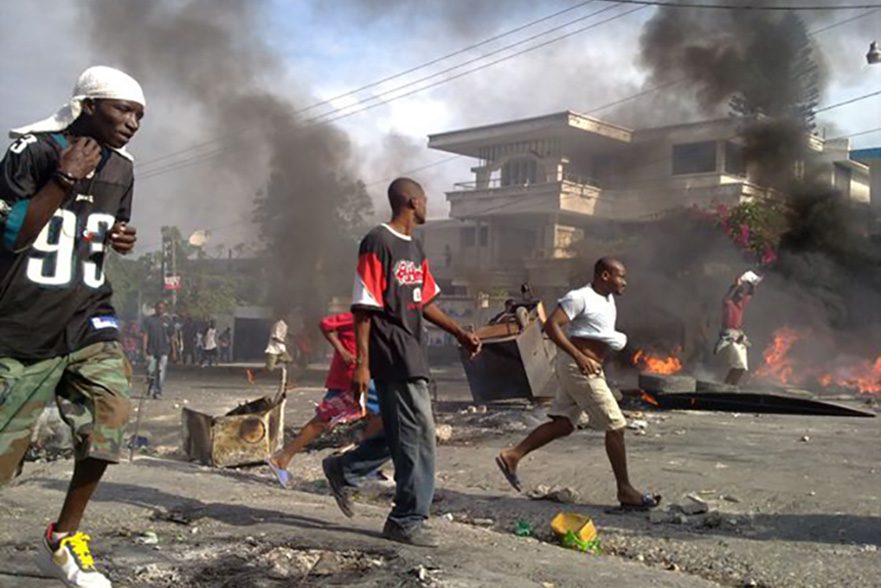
(579, 524)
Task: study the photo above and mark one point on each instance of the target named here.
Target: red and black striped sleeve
(371, 279)
(430, 289)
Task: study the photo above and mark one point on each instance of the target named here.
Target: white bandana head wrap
(96, 82)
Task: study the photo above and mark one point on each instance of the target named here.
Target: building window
(694, 158)
(519, 172)
(483, 238)
(734, 159)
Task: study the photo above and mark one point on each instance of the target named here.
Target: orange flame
(864, 376)
(655, 364)
(779, 366)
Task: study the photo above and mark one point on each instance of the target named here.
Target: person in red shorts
(338, 405)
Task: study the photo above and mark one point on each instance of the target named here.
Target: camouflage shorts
(91, 388)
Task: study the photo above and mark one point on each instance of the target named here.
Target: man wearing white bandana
(65, 196)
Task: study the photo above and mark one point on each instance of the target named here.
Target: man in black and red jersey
(394, 291)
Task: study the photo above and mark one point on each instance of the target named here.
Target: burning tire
(659, 384)
(716, 387)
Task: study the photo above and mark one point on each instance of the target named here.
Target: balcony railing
(496, 183)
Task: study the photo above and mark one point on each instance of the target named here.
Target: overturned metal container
(515, 362)
(248, 434)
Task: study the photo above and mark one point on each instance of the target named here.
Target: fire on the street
(783, 368)
(656, 364)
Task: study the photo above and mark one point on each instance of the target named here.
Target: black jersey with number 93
(54, 296)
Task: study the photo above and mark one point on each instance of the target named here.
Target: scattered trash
(245, 435)
(523, 529)
(730, 498)
(571, 541)
(805, 439)
(137, 442)
(425, 574)
(693, 504)
(443, 433)
(637, 425)
(580, 526)
(172, 516)
(147, 538)
(562, 494)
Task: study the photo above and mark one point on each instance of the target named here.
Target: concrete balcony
(571, 194)
(679, 192)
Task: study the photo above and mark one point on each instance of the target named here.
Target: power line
(475, 59)
(339, 114)
(318, 120)
(198, 158)
(860, 134)
(400, 74)
(453, 54)
(759, 7)
(846, 102)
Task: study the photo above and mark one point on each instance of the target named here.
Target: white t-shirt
(210, 339)
(277, 338)
(592, 316)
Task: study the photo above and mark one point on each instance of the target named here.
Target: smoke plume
(765, 69)
(210, 54)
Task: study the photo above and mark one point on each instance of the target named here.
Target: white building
(541, 184)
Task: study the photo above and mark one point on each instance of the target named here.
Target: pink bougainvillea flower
(743, 236)
(769, 256)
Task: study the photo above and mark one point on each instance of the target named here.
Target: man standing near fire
(394, 291)
(65, 197)
(590, 314)
(733, 343)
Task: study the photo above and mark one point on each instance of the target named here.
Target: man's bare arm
(337, 345)
(361, 378)
(75, 163)
(435, 315)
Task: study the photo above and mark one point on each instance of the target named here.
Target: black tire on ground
(660, 384)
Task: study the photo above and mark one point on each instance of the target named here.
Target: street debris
(443, 433)
(562, 494)
(692, 504)
(177, 516)
(147, 538)
(245, 435)
(51, 439)
(637, 425)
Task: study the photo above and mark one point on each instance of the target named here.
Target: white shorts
(735, 355)
(579, 393)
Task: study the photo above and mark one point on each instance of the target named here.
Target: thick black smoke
(765, 69)
(310, 205)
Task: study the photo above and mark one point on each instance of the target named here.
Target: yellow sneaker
(71, 561)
